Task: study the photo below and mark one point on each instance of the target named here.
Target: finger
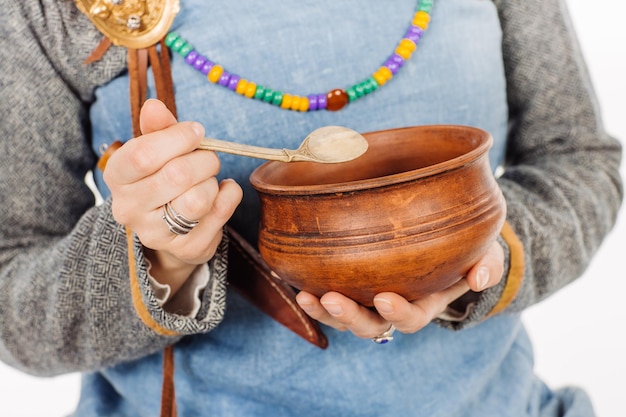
(177, 177)
(360, 320)
(488, 270)
(133, 203)
(194, 204)
(312, 306)
(154, 115)
(200, 244)
(409, 317)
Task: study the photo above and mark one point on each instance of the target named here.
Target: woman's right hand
(160, 166)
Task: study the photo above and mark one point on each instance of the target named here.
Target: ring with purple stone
(385, 337)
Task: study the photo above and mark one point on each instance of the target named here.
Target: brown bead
(336, 100)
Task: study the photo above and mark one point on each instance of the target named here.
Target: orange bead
(336, 100)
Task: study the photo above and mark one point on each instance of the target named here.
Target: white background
(578, 333)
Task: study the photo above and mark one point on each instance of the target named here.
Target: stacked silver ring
(385, 337)
(176, 222)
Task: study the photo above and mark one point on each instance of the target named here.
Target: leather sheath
(253, 278)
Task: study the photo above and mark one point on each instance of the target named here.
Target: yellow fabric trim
(135, 290)
(516, 269)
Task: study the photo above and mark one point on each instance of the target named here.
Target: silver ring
(385, 337)
(176, 222)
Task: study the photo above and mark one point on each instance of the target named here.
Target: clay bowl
(411, 215)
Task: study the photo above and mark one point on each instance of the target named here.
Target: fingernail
(482, 277)
(306, 306)
(383, 305)
(197, 128)
(333, 308)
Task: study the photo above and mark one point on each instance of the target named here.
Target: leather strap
(98, 52)
(168, 393)
(137, 71)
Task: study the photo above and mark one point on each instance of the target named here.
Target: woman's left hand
(342, 313)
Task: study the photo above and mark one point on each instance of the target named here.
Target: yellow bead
(250, 90)
(241, 86)
(386, 72)
(403, 52)
(295, 102)
(408, 44)
(304, 104)
(382, 75)
(215, 73)
(421, 19)
(380, 79)
(286, 103)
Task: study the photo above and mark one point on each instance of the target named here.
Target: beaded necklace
(335, 99)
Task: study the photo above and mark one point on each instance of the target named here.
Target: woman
(511, 69)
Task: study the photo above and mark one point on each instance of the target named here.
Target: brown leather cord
(98, 52)
(168, 392)
(138, 73)
(162, 70)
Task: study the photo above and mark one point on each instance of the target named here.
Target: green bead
(351, 92)
(170, 39)
(366, 86)
(178, 43)
(360, 91)
(372, 84)
(185, 49)
(268, 97)
(260, 92)
(278, 98)
(425, 6)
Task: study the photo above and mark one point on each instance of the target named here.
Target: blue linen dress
(252, 366)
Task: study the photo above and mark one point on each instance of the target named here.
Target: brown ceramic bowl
(411, 215)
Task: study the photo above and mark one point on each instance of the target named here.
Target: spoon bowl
(327, 145)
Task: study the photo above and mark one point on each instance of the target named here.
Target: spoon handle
(218, 145)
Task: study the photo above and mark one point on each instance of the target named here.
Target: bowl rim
(378, 182)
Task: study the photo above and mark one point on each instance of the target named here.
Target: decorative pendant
(333, 100)
(131, 23)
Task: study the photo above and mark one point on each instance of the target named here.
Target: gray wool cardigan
(65, 299)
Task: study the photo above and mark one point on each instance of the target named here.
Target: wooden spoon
(329, 144)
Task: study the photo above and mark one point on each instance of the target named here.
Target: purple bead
(191, 57)
(206, 67)
(321, 101)
(414, 33)
(313, 102)
(396, 59)
(224, 79)
(232, 83)
(393, 66)
(199, 62)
